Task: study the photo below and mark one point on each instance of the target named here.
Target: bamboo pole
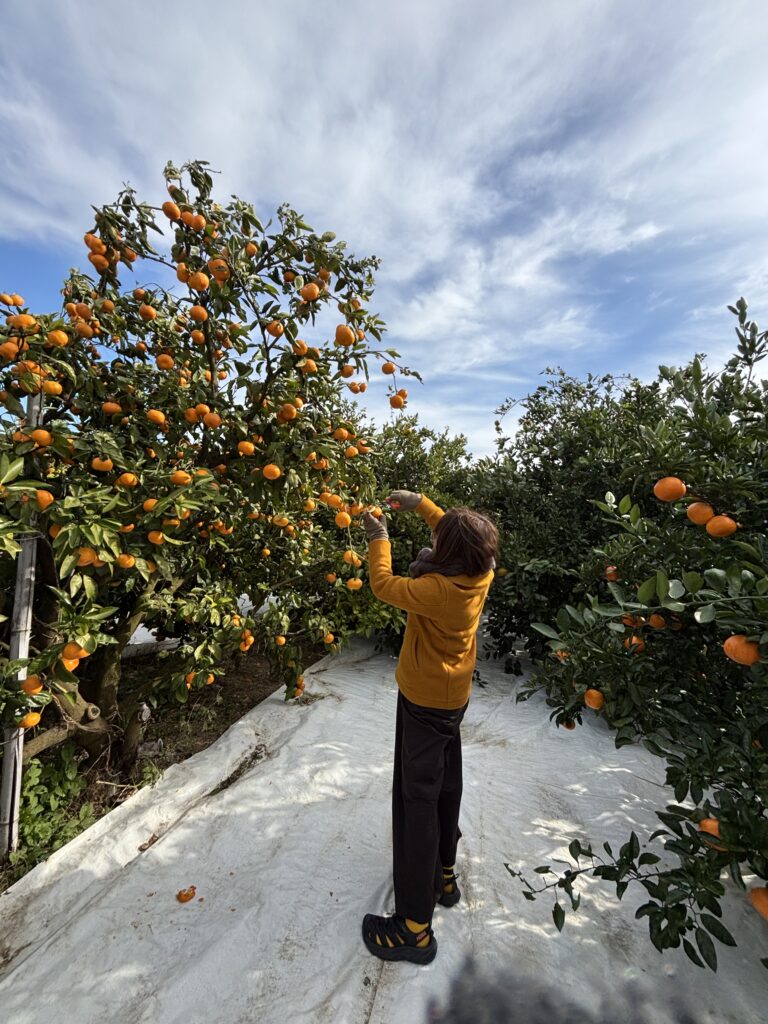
(21, 628)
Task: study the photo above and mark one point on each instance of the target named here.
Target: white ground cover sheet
(291, 854)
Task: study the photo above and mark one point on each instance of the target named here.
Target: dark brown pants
(426, 797)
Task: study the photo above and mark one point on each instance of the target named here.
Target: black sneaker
(405, 941)
(450, 899)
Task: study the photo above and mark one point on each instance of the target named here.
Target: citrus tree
(671, 647)
(180, 452)
(569, 443)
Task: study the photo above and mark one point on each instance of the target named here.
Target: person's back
(439, 649)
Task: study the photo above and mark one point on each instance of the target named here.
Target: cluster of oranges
(672, 488)
(738, 648)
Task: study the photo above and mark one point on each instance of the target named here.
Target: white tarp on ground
(291, 854)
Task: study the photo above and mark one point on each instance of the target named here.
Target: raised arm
(426, 595)
(429, 511)
(413, 501)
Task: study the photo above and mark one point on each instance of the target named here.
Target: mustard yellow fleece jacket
(439, 649)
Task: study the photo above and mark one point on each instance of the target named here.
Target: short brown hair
(466, 537)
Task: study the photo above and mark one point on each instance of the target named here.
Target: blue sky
(579, 183)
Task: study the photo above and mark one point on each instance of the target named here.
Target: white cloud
(501, 158)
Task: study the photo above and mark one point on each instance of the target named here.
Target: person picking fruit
(444, 596)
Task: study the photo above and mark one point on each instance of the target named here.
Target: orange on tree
(354, 584)
(700, 512)
(669, 488)
(345, 336)
(44, 499)
(594, 699)
(310, 292)
(30, 720)
(721, 526)
(342, 520)
(742, 650)
(272, 472)
(388, 367)
(73, 650)
(711, 826)
(126, 561)
(165, 361)
(198, 281)
(180, 478)
(32, 685)
(171, 210)
(635, 644)
(58, 338)
(42, 437)
(758, 897)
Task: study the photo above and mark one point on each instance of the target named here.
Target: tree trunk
(104, 670)
(132, 736)
(80, 720)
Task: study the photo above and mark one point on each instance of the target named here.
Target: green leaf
(706, 948)
(718, 929)
(558, 916)
(634, 845)
(648, 858)
(68, 564)
(662, 585)
(646, 590)
(693, 582)
(691, 953)
(705, 614)
(542, 627)
(14, 470)
(676, 588)
(625, 505)
(716, 579)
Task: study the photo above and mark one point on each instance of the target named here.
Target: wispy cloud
(566, 182)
